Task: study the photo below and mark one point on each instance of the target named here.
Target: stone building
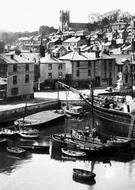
(51, 70)
(82, 67)
(17, 74)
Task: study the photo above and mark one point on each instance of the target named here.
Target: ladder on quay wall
(131, 128)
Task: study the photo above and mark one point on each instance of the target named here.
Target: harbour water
(54, 171)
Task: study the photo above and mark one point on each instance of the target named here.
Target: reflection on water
(10, 162)
(54, 171)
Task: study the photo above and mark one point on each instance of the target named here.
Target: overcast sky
(29, 15)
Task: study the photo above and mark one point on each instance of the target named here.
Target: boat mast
(132, 73)
(75, 91)
(92, 100)
(25, 111)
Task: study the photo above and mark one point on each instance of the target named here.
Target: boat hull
(36, 148)
(111, 122)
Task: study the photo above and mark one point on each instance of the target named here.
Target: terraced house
(17, 77)
(82, 67)
(51, 70)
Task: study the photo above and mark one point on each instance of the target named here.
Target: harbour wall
(8, 116)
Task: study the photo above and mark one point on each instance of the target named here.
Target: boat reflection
(87, 182)
(9, 162)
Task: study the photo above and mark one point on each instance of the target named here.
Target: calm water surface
(54, 171)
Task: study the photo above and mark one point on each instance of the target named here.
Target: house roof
(120, 59)
(49, 59)
(72, 40)
(13, 58)
(31, 56)
(76, 56)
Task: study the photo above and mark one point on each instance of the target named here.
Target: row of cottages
(17, 76)
(74, 42)
(82, 67)
(51, 70)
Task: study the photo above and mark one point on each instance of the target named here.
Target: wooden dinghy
(73, 153)
(16, 150)
(83, 174)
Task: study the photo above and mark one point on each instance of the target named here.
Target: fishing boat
(118, 120)
(28, 132)
(73, 111)
(8, 132)
(16, 150)
(92, 136)
(89, 147)
(73, 153)
(83, 174)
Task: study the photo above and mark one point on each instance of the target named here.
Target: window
(49, 66)
(77, 64)
(89, 72)
(77, 73)
(26, 78)
(14, 79)
(105, 66)
(27, 67)
(110, 75)
(60, 66)
(15, 68)
(49, 75)
(89, 63)
(110, 66)
(14, 91)
(60, 75)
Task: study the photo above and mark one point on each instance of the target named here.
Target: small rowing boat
(73, 153)
(15, 150)
(83, 174)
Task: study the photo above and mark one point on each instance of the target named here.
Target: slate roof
(72, 40)
(13, 58)
(121, 57)
(76, 56)
(49, 59)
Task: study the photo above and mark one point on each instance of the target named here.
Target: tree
(46, 30)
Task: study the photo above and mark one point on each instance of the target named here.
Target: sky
(29, 15)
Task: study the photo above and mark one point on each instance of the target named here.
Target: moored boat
(39, 119)
(73, 153)
(63, 141)
(15, 150)
(36, 148)
(28, 132)
(73, 111)
(112, 142)
(8, 132)
(113, 120)
(83, 174)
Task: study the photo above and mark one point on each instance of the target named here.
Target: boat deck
(44, 117)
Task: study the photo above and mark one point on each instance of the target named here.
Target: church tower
(64, 20)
